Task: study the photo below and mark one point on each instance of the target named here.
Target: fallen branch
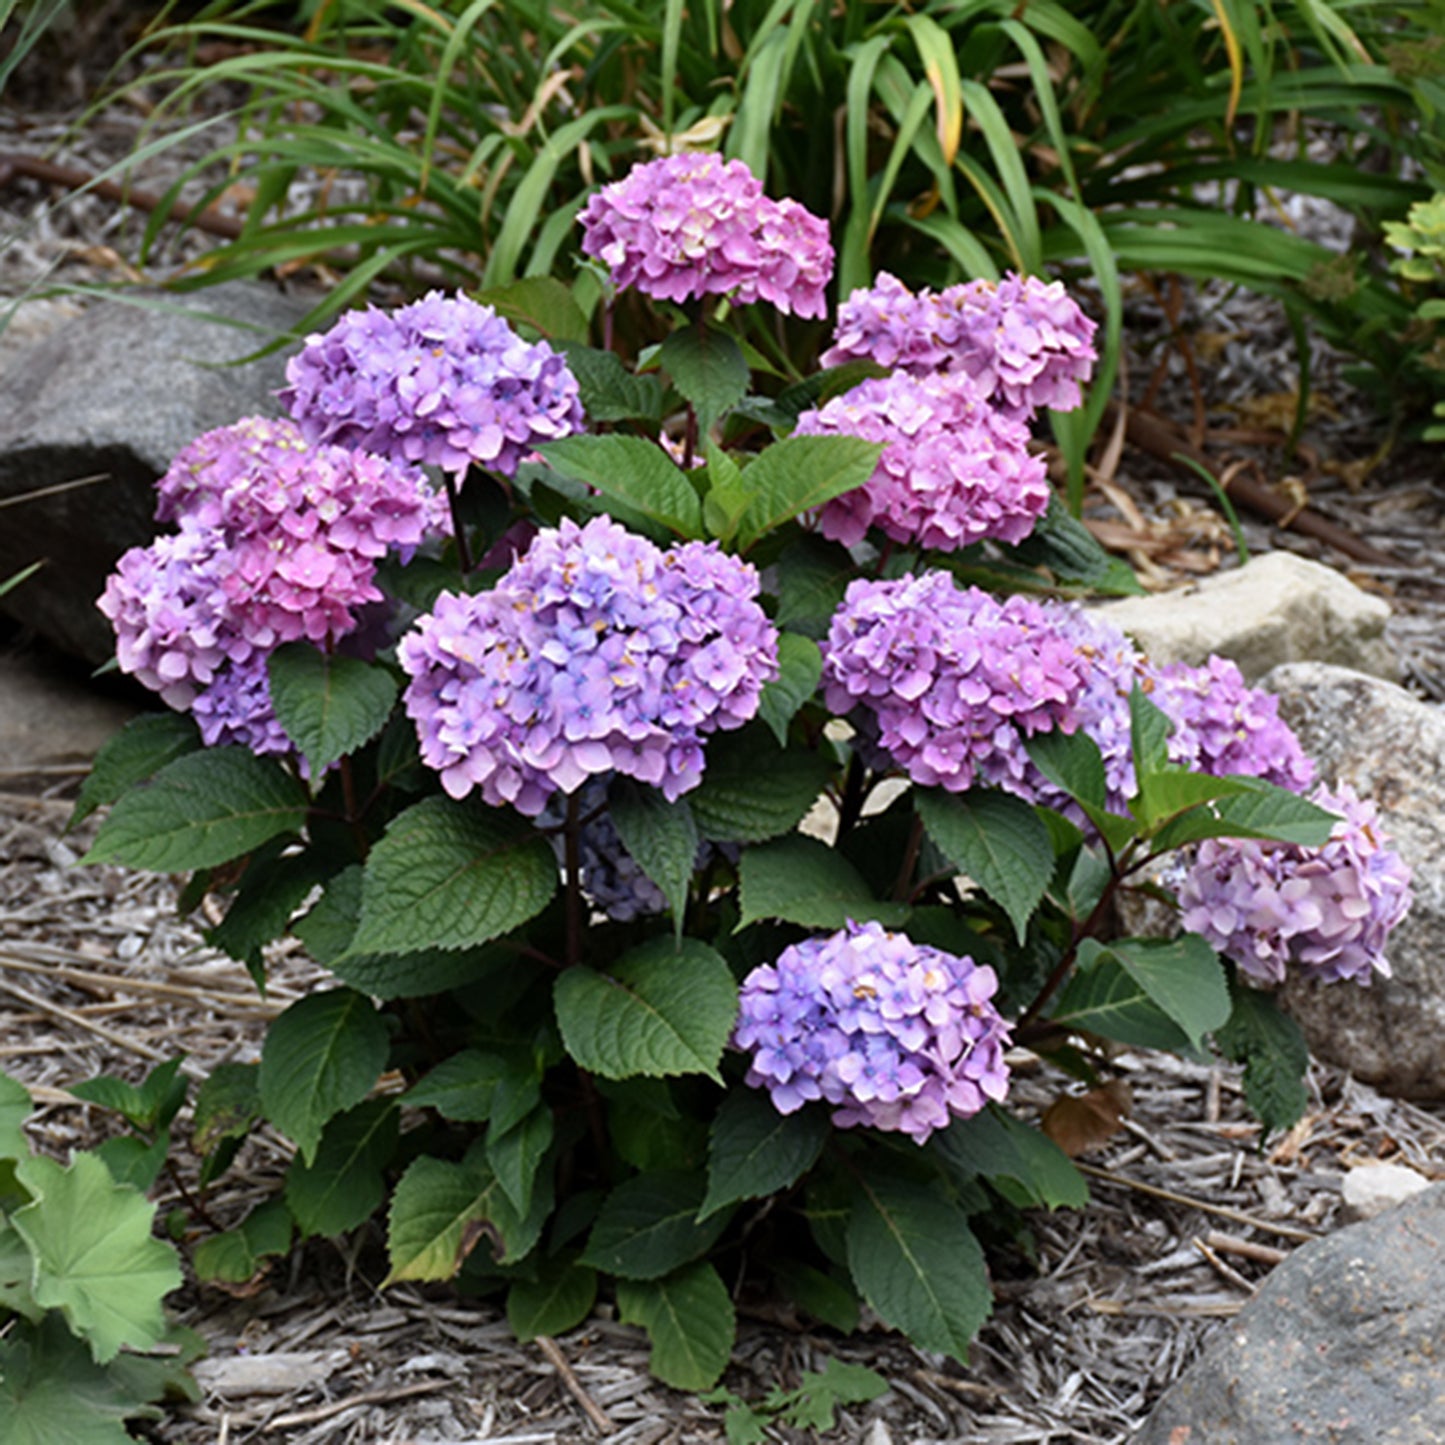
(1162, 439)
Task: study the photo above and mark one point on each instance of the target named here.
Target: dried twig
(595, 1413)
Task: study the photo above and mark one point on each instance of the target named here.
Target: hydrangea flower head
(893, 1034)
(304, 525)
(443, 382)
(953, 678)
(597, 651)
(1223, 726)
(692, 225)
(1024, 341)
(1327, 911)
(953, 471)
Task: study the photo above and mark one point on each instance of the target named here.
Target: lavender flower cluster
(954, 469)
(954, 678)
(596, 652)
(894, 1034)
(1328, 911)
(278, 541)
(444, 382)
(686, 226)
(1025, 343)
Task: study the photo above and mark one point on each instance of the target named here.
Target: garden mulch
(1190, 1207)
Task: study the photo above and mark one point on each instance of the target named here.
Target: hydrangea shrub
(704, 785)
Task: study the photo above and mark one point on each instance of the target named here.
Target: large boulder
(1389, 746)
(1277, 608)
(113, 394)
(1340, 1345)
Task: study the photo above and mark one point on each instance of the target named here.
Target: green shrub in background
(456, 143)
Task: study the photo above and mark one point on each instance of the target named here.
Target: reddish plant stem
(572, 865)
(901, 888)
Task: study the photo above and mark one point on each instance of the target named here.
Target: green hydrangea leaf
(753, 1150)
(689, 1320)
(635, 472)
(441, 1210)
(798, 474)
(998, 840)
(329, 704)
(561, 1297)
(338, 1189)
(801, 880)
(448, 875)
(319, 1057)
(202, 809)
(916, 1261)
(754, 789)
(664, 1008)
(138, 751)
(648, 1226)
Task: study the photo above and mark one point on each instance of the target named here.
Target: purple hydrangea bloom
(596, 652)
(893, 1034)
(953, 471)
(236, 708)
(1025, 342)
(174, 627)
(692, 225)
(953, 678)
(1222, 726)
(1328, 910)
(444, 382)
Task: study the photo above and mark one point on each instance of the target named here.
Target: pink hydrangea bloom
(686, 226)
(1025, 342)
(895, 1035)
(953, 471)
(952, 679)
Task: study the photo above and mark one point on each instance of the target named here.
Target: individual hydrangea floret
(1222, 726)
(692, 225)
(953, 678)
(1326, 911)
(893, 1034)
(444, 382)
(1025, 342)
(236, 708)
(304, 525)
(596, 652)
(953, 471)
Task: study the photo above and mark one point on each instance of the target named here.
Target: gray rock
(1278, 608)
(51, 717)
(1389, 746)
(1341, 1344)
(114, 394)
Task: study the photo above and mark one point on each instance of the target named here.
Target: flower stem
(459, 531)
(901, 888)
(572, 866)
(689, 438)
